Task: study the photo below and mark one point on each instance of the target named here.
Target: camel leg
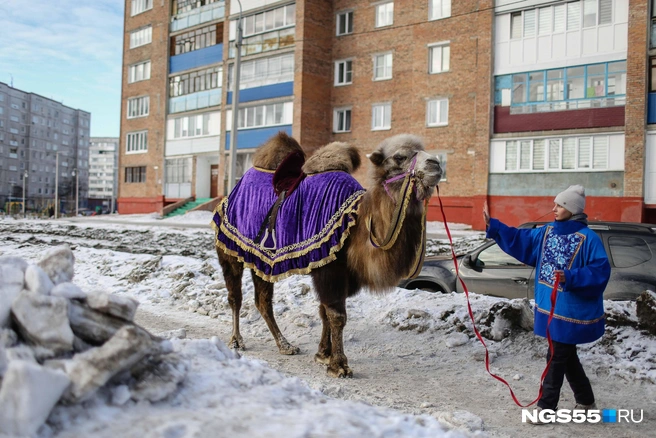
(325, 345)
(336, 314)
(232, 273)
(264, 303)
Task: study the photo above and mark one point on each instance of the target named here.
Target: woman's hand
(562, 275)
(486, 214)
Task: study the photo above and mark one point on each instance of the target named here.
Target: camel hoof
(236, 344)
(320, 358)
(289, 350)
(340, 372)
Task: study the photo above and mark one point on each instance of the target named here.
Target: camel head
(394, 157)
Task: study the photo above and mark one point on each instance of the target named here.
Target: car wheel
(427, 286)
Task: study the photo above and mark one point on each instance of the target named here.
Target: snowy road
(396, 344)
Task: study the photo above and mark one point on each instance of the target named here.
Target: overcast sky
(66, 50)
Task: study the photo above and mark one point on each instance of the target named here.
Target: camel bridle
(409, 178)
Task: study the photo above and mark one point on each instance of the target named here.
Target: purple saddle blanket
(311, 226)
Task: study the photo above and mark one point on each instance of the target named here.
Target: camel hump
(275, 150)
(333, 156)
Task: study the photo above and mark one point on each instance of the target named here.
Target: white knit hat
(572, 199)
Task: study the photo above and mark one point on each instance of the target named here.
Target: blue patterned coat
(574, 248)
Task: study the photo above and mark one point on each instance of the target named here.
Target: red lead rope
(554, 293)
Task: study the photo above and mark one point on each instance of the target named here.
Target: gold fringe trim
(577, 321)
(296, 271)
(421, 252)
(271, 258)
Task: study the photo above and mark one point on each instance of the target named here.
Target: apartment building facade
(103, 173)
(518, 99)
(42, 143)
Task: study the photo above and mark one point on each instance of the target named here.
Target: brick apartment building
(463, 75)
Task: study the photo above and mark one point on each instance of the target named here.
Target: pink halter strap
(410, 171)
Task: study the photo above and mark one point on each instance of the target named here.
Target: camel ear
(376, 157)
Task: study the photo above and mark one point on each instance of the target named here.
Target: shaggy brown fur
(333, 156)
(277, 148)
(358, 263)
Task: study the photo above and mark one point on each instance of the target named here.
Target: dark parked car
(488, 270)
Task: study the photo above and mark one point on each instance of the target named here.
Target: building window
(135, 174)
(139, 72)
(342, 120)
(343, 72)
(385, 14)
(439, 58)
(561, 17)
(439, 9)
(270, 20)
(197, 39)
(138, 107)
(585, 86)
(137, 142)
(191, 126)
(437, 112)
(141, 37)
(344, 23)
(196, 81)
(652, 76)
(558, 154)
(139, 6)
(264, 71)
(180, 6)
(383, 66)
(263, 115)
(178, 170)
(381, 116)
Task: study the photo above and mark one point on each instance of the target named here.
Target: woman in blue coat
(567, 247)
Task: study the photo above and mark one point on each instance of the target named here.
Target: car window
(494, 256)
(628, 251)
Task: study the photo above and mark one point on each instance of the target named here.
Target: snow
(418, 369)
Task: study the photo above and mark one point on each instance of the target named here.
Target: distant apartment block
(103, 171)
(41, 141)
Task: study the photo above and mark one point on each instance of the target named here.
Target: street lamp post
(232, 168)
(56, 185)
(25, 175)
(76, 174)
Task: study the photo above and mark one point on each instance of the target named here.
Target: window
(135, 174)
(344, 23)
(556, 154)
(139, 6)
(196, 39)
(137, 142)
(180, 6)
(628, 251)
(495, 257)
(343, 72)
(193, 82)
(385, 14)
(342, 120)
(270, 20)
(264, 115)
(264, 71)
(178, 170)
(437, 112)
(383, 67)
(438, 58)
(141, 37)
(439, 9)
(652, 75)
(564, 16)
(138, 107)
(515, 25)
(568, 88)
(139, 72)
(381, 116)
(191, 126)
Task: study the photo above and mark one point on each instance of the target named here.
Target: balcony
(651, 108)
(197, 58)
(204, 14)
(194, 101)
